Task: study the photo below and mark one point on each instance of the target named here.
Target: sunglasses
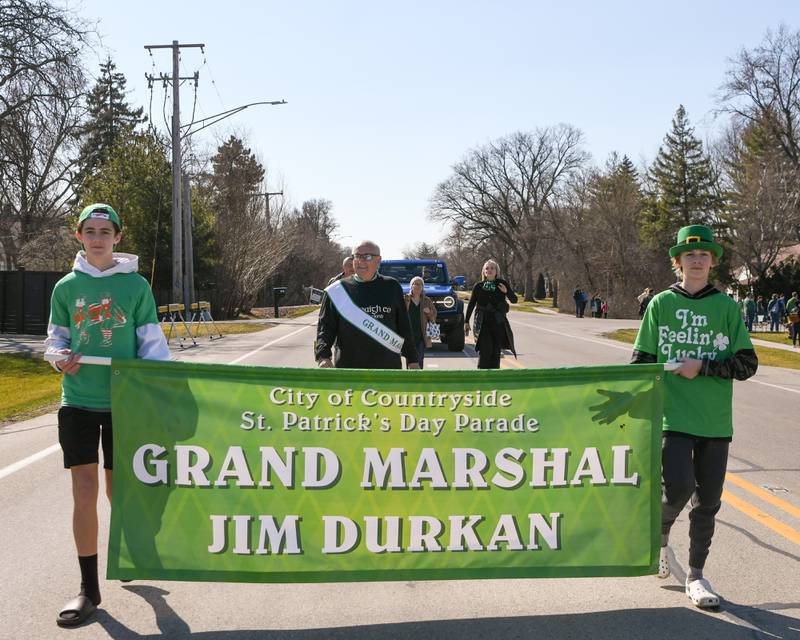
(367, 257)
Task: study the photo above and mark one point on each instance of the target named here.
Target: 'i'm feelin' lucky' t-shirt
(705, 328)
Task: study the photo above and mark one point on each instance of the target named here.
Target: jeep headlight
(448, 302)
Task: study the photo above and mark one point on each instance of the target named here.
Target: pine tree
(682, 185)
(111, 119)
(627, 169)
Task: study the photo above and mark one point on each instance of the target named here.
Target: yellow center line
(759, 516)
(508, 363)
(765, 495)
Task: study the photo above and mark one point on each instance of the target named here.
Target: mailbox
(277, 294)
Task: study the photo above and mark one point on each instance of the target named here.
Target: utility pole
(266, 196)
(188, 227)
(177, 240)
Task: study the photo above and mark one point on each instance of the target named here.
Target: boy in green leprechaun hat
(696, 325)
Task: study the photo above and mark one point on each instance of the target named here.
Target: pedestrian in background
(421, 311)
(604, 309)
(346, 272)
(644, 299)
(750, 309)
(775, 310)
(793, 318)
(577, 296)
(492, 330)
(596, 304)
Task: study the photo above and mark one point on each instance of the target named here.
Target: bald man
(346, 272)
(363, 322)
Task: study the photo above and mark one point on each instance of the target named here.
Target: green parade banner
(259, 474)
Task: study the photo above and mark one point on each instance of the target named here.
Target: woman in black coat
(492, 331)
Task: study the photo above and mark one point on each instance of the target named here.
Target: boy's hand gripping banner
(258, 474)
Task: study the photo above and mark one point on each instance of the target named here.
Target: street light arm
(211, 120)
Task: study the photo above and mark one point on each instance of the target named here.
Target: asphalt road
(754, 562)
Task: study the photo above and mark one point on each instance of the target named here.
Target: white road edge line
(568, 335)
(269, 344)
(7, 471)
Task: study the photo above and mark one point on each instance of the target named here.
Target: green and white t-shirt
(103, 313)
(710, 327)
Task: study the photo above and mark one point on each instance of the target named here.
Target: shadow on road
(731, 622)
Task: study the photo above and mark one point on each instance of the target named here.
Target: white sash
(361, 320)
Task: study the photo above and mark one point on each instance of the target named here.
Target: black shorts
(79, 433)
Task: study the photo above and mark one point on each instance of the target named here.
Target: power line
(211, 75)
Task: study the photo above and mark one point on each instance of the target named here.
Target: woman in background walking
(492, 330)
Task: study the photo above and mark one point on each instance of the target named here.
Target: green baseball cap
(696, 236)
(100, 211)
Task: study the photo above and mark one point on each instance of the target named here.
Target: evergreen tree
(250, 248)
(137, 182)
(111, 119)
(540, 293)
(682, 187)
(627, 169)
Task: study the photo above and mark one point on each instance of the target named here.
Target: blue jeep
(439, 288)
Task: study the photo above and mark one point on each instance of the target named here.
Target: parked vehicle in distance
(439, 288)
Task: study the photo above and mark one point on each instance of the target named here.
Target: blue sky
(384, 98)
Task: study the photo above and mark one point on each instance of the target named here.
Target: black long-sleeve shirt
(381, 298)
(490, 299)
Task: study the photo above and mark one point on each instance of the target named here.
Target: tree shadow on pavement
(731, 622)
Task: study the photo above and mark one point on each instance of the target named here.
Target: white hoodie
(150, 341)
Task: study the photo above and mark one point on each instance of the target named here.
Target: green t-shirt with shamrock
(710, 327)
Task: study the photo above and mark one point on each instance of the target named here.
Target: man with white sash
(363, 322)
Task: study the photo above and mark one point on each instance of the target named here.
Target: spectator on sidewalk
(750, 309)
(577, 295)
(604, 308)
(793, 318)
(776, 309)
(644, 299)
(596, 304)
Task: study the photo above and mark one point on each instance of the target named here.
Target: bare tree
(420, 251)
(250, 247)
(38, 154)
(40, 46)
(763, 84)
(41, 90)
(763, 193)
(502, 189)
(596, 243)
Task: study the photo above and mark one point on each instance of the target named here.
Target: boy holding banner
(698, 326)
(102, 308)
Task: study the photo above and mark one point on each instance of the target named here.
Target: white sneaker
(701, 593)
(663, 563)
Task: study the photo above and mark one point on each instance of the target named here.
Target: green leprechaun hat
(696, 236)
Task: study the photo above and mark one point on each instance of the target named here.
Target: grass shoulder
(767, 356)
(28, 387)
